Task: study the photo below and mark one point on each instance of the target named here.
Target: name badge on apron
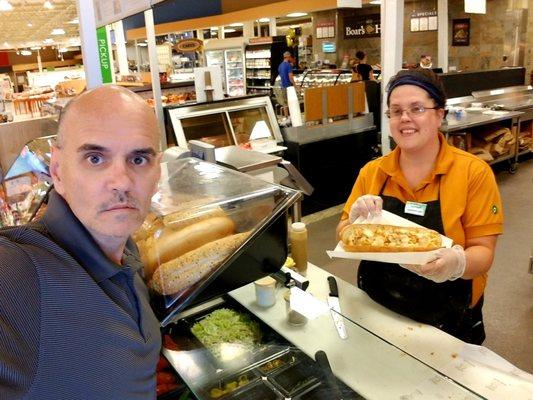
(414, 208)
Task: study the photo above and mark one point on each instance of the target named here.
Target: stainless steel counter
(315, 133)
(475, 119)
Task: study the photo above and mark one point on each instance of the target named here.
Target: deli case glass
(248, 122)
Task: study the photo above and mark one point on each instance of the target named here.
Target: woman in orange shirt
(442, 188)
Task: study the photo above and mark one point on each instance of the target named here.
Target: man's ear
(55, 170)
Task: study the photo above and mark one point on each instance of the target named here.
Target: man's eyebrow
(145, 151)
(91, 147)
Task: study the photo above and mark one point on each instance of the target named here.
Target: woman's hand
(449, 265)
(367, 206)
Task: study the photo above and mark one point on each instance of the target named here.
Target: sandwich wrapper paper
(388, 218)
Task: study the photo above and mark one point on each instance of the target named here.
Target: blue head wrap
(417, 79)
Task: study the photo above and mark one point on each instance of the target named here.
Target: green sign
(103, 54)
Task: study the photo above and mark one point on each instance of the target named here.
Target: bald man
(75, 320)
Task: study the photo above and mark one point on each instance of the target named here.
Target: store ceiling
(16, 32)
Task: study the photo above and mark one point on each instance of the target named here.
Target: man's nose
(119, 176)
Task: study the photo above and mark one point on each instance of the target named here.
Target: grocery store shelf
(258, 67)
(259, 87)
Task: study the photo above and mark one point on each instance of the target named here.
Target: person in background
(76, 322)
(286, 76)
(425, 62)
(362, 67)
(428, 181)
(285, 70)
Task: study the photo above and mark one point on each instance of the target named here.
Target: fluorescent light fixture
(5, 5)
(264, 19)
(29, 24)
(142, 44)
(35, 48)
(25, 53)
(296, 14)
(74, 21)
(236, 24)
(476, 6)
(48, 5)
(375, 2)
(48, 41)
(58, 31)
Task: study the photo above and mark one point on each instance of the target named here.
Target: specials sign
(364, 26)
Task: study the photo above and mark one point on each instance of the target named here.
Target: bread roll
(174, 243)
(180, 219)
(182, 272)
(388, 238)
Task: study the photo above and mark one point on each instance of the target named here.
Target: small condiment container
(265, 291)
(293, 316)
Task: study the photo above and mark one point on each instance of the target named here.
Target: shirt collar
(67, 230)
(391, 162)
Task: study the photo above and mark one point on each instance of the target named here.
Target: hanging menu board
(108, 11)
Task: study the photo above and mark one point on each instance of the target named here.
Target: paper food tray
(389, 218)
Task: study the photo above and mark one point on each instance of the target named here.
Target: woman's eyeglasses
(413, 111)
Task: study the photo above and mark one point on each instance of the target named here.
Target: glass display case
(231, 63)
(211, 230)
(322, 77)
(247, 122)
(26, 184)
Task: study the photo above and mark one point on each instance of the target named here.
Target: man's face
(107, 168)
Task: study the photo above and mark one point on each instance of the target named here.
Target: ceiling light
(74, 21)
(375, 2)
(25, 53)
(29, 24)
(48, 41)
(58, 31)
(237, 24)
(229, 30)
(296, 14)
(264, 19)
(5, 5)
(6, 44)
(48, 5)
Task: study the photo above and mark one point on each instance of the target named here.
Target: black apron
(444, 305)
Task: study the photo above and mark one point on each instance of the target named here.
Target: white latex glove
(365, 207)
(449, 265)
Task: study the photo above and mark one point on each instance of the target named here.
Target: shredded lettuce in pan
(226, 326)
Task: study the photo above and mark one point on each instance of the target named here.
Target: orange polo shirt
(469, 197)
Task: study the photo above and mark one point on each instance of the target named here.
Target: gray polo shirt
(73, 325)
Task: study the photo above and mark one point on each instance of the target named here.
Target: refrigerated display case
(234, 72)
(248, 122)
(317, 78)
(262, 61)
(231, 63)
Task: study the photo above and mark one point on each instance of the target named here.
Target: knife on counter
(335, 308)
